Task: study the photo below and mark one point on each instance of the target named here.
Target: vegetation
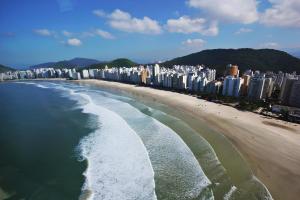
(120, 62)
(255, 59)
(73, 63)
(5, 69)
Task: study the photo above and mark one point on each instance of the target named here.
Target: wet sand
(270, 146)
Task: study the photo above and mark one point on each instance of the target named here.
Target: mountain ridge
(245, 58)
(119, 62)
(76, 62)
(5, 68)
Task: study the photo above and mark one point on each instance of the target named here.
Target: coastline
(270, 146)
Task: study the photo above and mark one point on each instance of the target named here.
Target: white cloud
(270, 45)
(66, 33)
(99, 13)
(242, 11)
(123, 21)
(243, 30)
(43, 32)
(194, 43)
(284, 13)
(187, 25)
(73, 42)
(104, 34)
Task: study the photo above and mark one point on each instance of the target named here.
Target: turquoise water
(60, 140)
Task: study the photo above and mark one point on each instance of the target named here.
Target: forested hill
(255, 59)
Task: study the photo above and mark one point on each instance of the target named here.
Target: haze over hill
(120, 62)
(5, 68)
(255, 59)
(73, 63)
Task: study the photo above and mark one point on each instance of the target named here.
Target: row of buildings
(196, 79)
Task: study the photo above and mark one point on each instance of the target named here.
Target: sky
(35, 31)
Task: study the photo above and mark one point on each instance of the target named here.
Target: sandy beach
(270, 146)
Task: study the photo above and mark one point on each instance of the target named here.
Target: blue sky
(36, 31)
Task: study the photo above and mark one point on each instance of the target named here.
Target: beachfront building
(92, 73)
(155, 73)
(245, 85)
(76, 76)
(232, 86)
(260, 87)
(85, 74)
(294, 99)
(255, 89)
(213, 87)
(144, 76)
(286, 89)
(190, 80)
(182, 81)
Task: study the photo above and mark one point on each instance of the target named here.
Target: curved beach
(270, 146)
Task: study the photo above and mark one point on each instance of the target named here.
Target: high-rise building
(286, 89)
(232, 70)
(213, 87)
(144, 75)
(294, 99)
(245, 85)
(255, 89)
(232, 86)
(190, 78)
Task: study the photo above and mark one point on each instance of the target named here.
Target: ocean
(62, 140)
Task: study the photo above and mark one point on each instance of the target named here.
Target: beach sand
(270, 146)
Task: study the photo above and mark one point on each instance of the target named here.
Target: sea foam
(178, 174)
(118, 163)
(118, 153)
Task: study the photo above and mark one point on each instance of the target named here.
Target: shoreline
(270, 146)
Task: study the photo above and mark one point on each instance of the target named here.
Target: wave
(171, 169)
(118, 163)
(170, 157)
(32, 83)
(228, 195)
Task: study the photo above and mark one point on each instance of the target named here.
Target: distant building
(144, 75)
(92, 73)
(232, 86)
(85, 74)
(256, 86)
(182, 82)
(213, 87)
(294, 99)
(245, 85)
(232, 70)
(286, 90)
(76, 76)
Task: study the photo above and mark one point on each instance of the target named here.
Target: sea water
(125, 149)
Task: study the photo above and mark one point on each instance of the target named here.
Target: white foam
(171, 158)
(228, 195)
(268, 196)
(178, 174)
(33, 83)
(118, 163)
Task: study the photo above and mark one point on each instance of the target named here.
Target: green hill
(255, 59)
(5, 69)
(120, 62)
(73, 63)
